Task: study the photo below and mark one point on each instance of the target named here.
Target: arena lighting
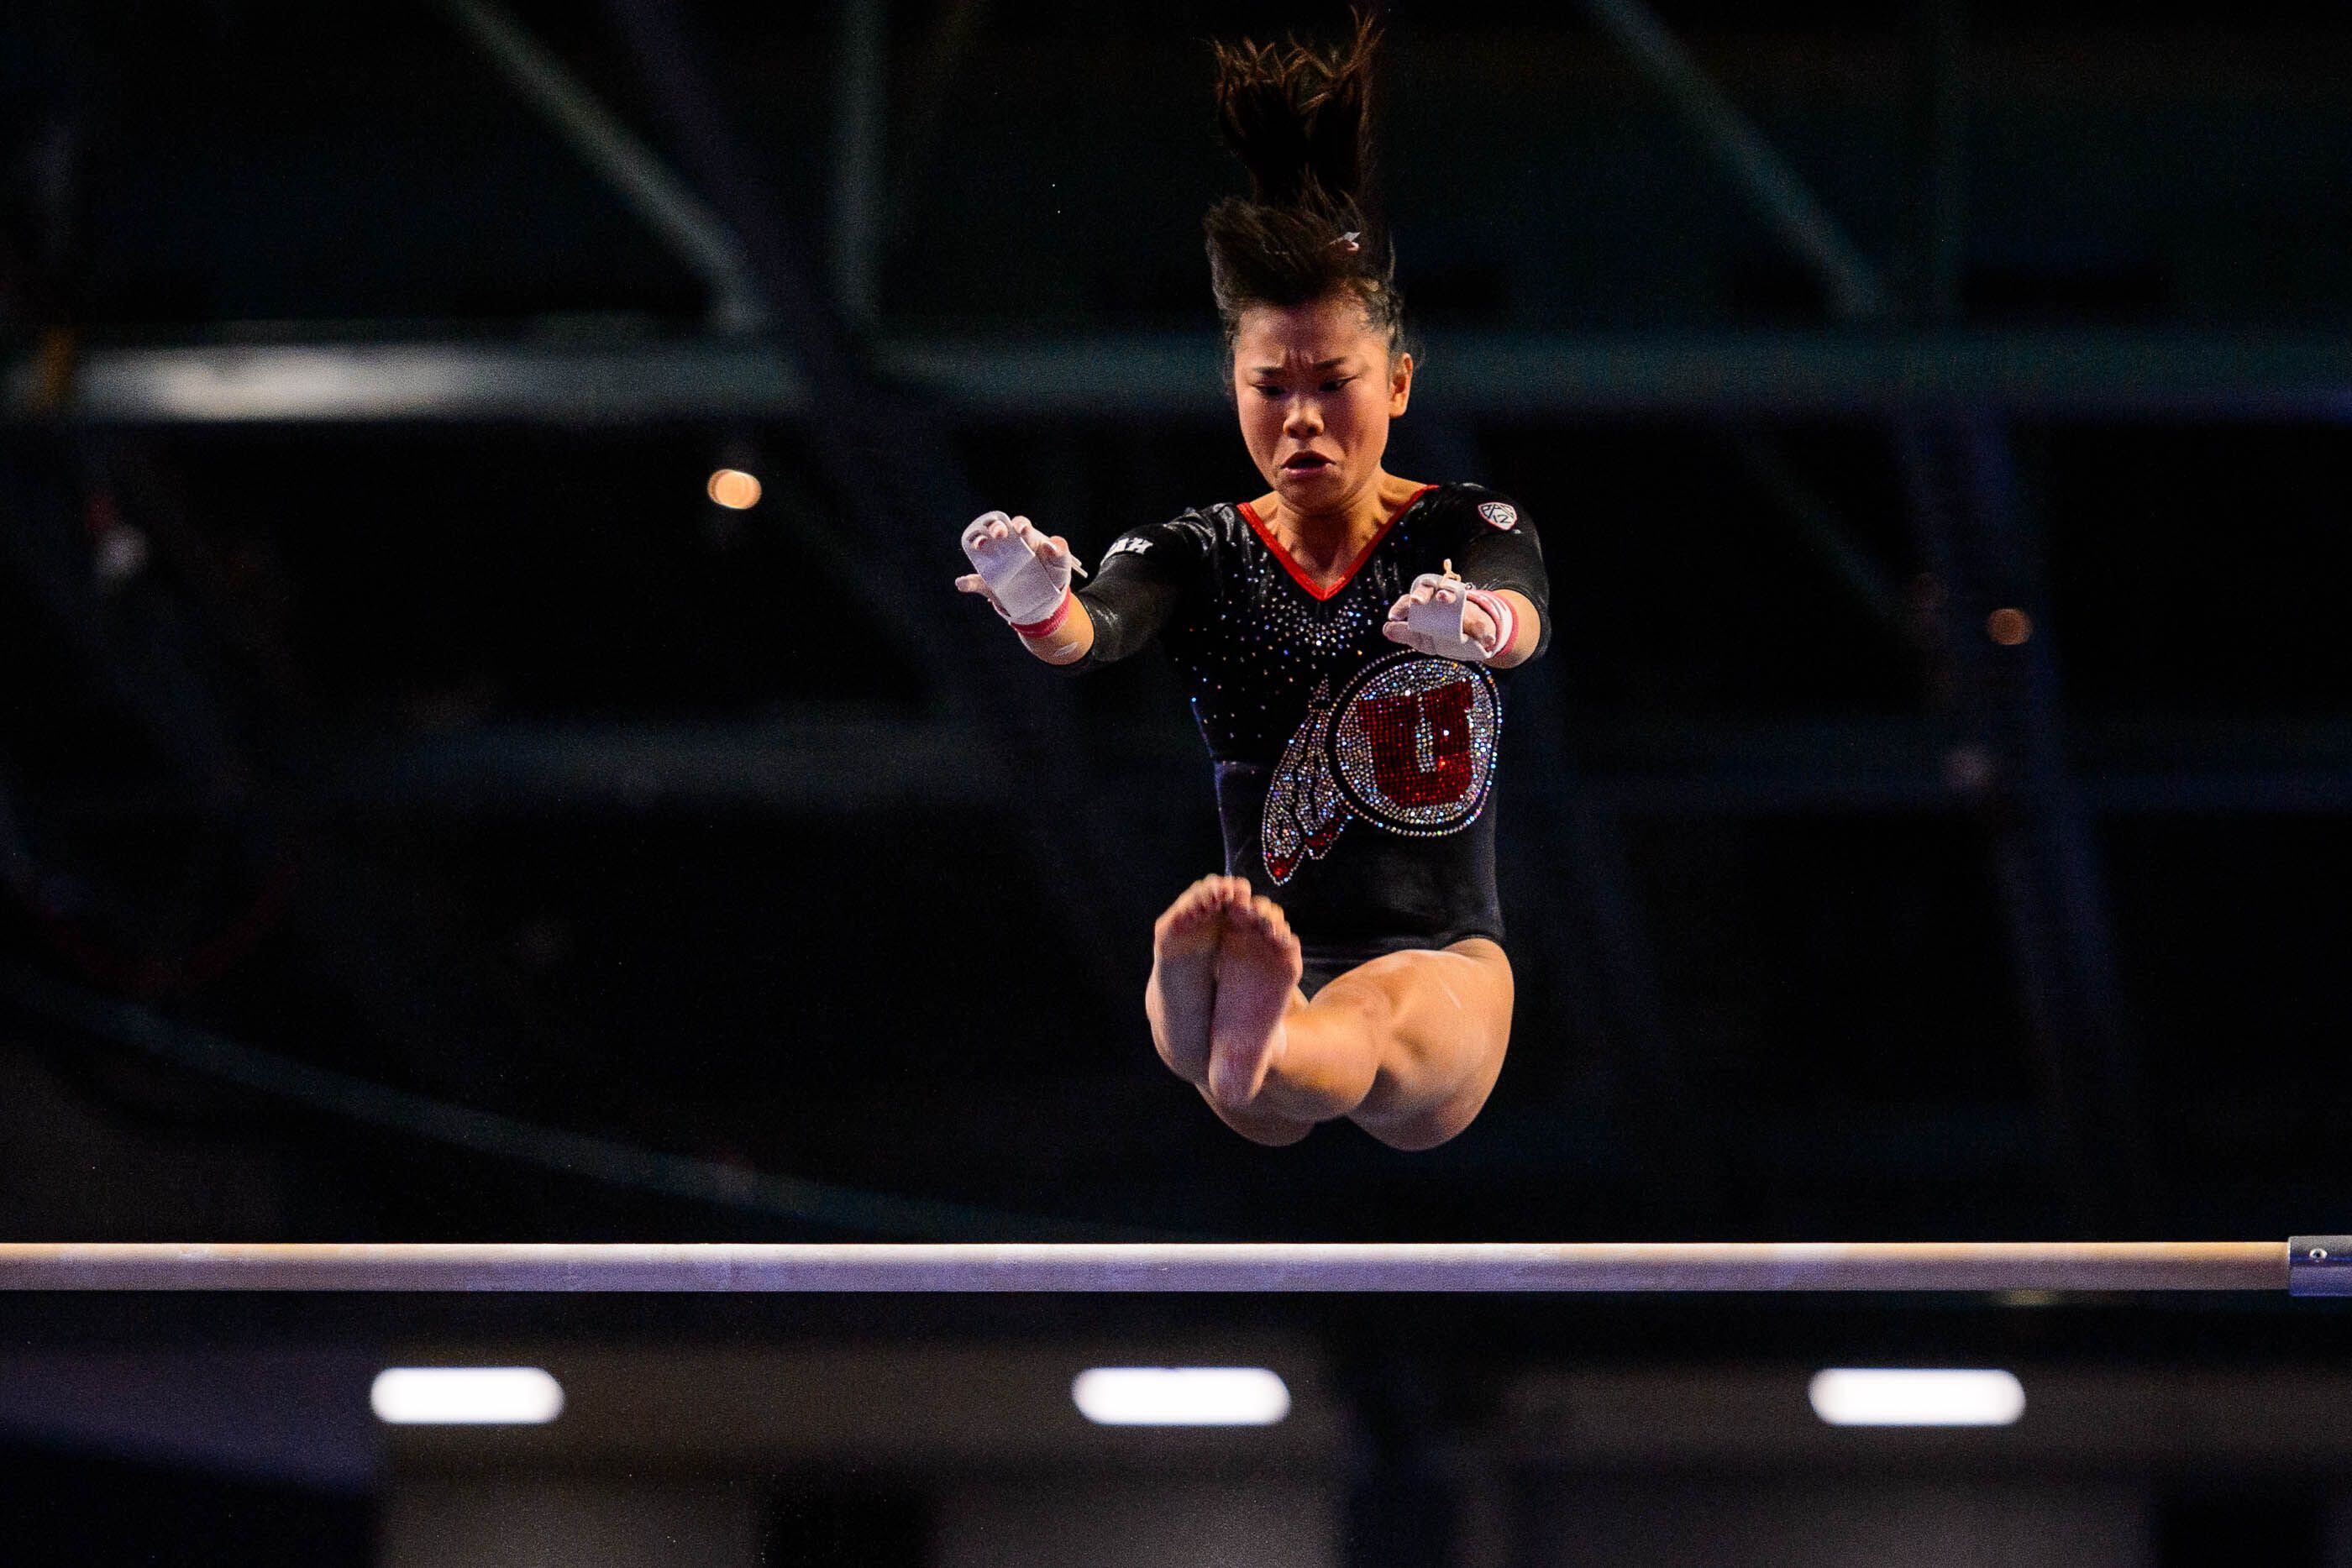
(1895, 1396)
(1181, 1396)
(466, 1397)
(734, 489)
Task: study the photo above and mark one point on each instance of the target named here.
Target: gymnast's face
(1316, 388)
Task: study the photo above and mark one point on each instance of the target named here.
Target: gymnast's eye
(1269, 389)
(1333, 386)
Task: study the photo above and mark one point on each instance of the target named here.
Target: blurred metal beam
(1933, 255)
(2003, 685)
(143, 663)
(674, 214)
(615, 1162)
(1678, 1117)
(2138, 768)
(403, 382)
(1857, 567)
(1978, 541)
(837, 765)
(1777, 192)
(2142, 767)
(928, 96)
(889, 466)
(860, 135)
(2085, 372)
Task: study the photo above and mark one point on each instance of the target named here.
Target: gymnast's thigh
(1446, 1016)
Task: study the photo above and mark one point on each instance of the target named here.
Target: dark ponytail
(1299, 119)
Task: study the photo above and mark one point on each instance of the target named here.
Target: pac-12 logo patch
(1502, 514)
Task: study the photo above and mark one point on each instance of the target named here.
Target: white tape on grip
(1025, 589)
(1436, 625)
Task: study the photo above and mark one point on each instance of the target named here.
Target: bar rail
(2309, 1265)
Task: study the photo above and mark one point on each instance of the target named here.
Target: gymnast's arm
(1134, 594)
(1494, 609)
(1526, 633)
(1509, 563)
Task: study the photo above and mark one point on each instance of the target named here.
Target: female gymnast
(1337, 635)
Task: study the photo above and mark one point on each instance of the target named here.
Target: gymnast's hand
(1023, 573)
(1444, 616)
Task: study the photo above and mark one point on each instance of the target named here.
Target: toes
(1264, 916)
(1196, 904)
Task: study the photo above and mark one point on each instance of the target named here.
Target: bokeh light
(734, 489)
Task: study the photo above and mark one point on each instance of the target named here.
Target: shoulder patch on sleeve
(1502, 514)
(1132, 544)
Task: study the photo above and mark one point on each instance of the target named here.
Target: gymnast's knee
(1430, 1125)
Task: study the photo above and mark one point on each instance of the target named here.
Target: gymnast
(1337, 635)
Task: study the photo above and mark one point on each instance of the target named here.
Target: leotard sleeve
(1142, 584)
(1495, 547)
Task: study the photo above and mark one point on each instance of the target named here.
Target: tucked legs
(1408, 1046)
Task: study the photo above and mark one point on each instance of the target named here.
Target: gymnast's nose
(1304, 418)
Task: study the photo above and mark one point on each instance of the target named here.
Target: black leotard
(1354, 775)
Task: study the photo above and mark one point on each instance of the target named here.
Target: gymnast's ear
(1400, 383)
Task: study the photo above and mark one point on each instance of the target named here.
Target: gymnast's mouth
(1305, 463)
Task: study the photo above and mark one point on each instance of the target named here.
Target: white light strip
(1860, 1396)
(1181, 1396)
(466, 1397)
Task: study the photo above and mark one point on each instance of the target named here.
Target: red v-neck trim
(1265, 535)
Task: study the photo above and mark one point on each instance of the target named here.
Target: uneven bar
(967, 1267)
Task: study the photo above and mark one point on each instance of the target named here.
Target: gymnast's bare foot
(1183, 990)
(1258, 966)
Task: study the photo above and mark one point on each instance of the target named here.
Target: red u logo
(1394, 725)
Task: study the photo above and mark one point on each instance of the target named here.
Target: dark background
(389, 723)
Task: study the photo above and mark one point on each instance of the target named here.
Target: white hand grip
(1025, 589)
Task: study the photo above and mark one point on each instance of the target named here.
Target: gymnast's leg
(1408, 1046)
(1179, 999)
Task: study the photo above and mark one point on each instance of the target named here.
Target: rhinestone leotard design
(1354, 776)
